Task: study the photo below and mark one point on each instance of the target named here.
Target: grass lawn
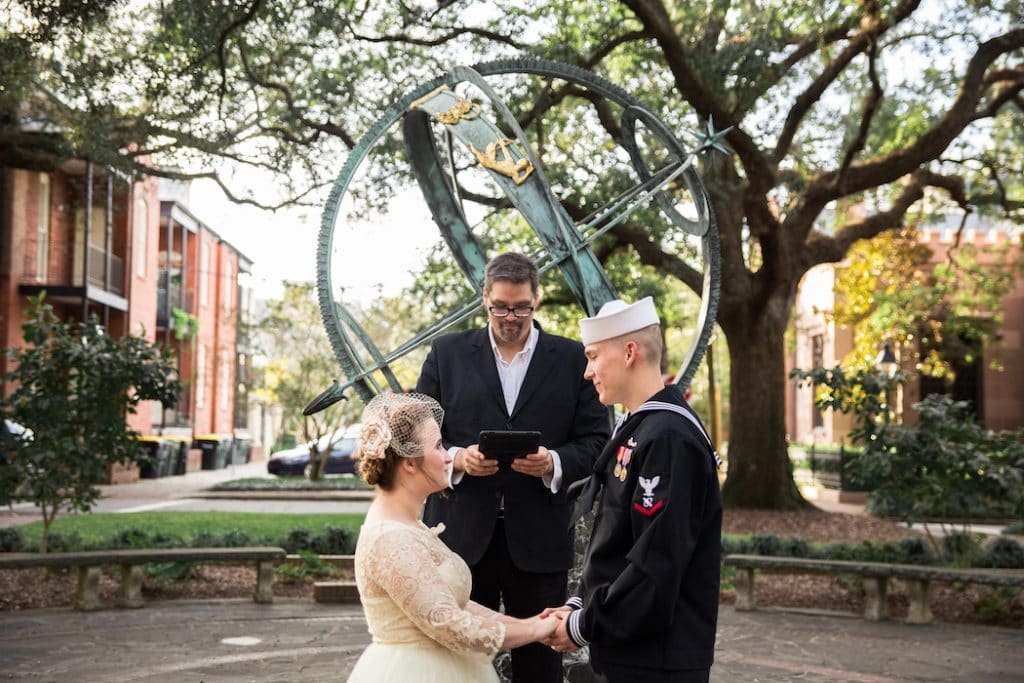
(99, 526)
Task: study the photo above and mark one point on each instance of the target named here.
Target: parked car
(340, 458)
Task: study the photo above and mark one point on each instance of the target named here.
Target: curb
(286, 495)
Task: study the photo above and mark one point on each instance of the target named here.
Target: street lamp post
(887, 366)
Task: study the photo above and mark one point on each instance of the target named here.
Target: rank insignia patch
(649, 506)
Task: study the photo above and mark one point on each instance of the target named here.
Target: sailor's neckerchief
(591, 486)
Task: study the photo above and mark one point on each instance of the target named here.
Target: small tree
(946, 466)
(73, 386)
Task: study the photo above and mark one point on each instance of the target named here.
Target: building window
(43, 229)
(817, 362)
(204, 274)
(140, 232)
(225, 379)
(200, 376)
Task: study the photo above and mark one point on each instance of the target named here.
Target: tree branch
(656, 22)
(931, 144)
(453, 33)
(327, 127)
(873, 27)
(870, 107)
(825, 249)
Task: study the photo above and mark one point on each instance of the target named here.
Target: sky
(282, 244)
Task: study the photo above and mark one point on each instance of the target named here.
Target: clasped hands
(558, 640)
(474, 463)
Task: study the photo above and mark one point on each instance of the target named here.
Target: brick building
(95, 242)
(997, 395)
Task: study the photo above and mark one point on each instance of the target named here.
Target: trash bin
(242, 448)
(178, 459)
(165, 460)
(149, 468)
(215, 451)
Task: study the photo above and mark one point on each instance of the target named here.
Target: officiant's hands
(474, 463)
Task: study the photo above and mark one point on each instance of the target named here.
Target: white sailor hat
(617, 318)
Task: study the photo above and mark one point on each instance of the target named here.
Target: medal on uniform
(622, 458)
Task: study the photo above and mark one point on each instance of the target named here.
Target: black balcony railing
(98, 260)
(168, 297)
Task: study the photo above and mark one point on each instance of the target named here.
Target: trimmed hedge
(331, 541)
(1003, 552)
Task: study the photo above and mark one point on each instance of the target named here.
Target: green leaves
(73, 386)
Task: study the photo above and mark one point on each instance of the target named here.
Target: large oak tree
(886, 105)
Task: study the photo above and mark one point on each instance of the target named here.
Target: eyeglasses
(517, 311)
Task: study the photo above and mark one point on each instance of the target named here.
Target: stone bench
(336, 591)
(131, 562)
(876, 577)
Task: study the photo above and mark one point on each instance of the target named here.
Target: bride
(414, 590)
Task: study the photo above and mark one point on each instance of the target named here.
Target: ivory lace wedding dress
(415, 593)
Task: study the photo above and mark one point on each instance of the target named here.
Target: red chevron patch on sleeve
(649, 512)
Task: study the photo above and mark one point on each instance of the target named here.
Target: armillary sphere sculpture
(512, 165)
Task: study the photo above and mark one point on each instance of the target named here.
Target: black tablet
(507, 446)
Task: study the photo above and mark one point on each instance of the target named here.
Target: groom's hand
(559, 640)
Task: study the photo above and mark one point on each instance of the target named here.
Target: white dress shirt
(511, 374)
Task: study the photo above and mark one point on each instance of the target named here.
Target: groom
(511, 526)
(648, 601)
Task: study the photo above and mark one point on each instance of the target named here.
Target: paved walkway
(236, 641)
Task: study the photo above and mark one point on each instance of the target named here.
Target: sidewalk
(238, 641)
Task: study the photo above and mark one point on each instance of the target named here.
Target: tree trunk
(759, 474)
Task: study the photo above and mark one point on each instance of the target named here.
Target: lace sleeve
(401, 564)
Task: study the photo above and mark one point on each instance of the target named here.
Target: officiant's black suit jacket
(460, 372)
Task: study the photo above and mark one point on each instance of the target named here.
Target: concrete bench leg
(744, 584)
(264, 583)
(920, 611)
(131, 586)
(876, 607)
(87, 595)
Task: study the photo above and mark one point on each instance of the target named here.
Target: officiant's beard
(511, 332)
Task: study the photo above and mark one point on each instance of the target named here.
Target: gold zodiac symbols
(461, 110)
(518, 171)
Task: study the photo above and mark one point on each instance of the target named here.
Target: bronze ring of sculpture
(511, 163)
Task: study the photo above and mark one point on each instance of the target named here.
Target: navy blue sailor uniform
(648, 600)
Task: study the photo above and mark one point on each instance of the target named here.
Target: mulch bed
(33, 588)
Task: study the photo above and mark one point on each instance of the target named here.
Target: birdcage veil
(391, 420)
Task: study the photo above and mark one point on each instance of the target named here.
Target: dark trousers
(496, 580)
(619, 674)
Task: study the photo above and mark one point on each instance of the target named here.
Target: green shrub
(312, 566)
(236, 538)
(732, 545)
(765, 544)
(1003, 552)
(128, 538)
(961, 548)
(839, 551)
(11, 540)
(794, 546)
(297, 540)
(169, 571)
(869, 551)
(205, 539)
(1015, 528)
(61, 543)
(334, 540)
(916, 550)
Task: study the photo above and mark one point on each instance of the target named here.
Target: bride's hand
(544, 626)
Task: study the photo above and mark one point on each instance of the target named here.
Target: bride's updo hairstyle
(389, 432)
